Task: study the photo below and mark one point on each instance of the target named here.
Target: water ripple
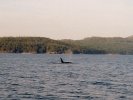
(90, 77)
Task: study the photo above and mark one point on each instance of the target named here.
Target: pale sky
(66, 19)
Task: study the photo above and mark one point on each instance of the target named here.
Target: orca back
(63, 61)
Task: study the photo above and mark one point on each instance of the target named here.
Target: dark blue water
(42, 77)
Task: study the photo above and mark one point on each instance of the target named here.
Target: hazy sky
(74, 19)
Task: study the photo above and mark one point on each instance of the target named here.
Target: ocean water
(43, 77)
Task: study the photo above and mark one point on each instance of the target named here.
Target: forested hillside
(32, 45)
(93, 45)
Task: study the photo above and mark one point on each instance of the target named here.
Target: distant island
(91, 45)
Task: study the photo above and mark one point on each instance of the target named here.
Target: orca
(64, 62)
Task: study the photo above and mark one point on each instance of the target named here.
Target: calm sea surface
(42, 77)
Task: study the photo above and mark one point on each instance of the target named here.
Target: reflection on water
(90, 77)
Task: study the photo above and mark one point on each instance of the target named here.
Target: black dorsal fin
(61, 60)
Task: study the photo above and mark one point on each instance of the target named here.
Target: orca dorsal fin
(64, 62)
(61, 60)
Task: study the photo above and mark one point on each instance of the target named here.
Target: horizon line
(68, 38)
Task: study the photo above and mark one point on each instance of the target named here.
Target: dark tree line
(94, 45)
(98, 45)
(31, 45)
